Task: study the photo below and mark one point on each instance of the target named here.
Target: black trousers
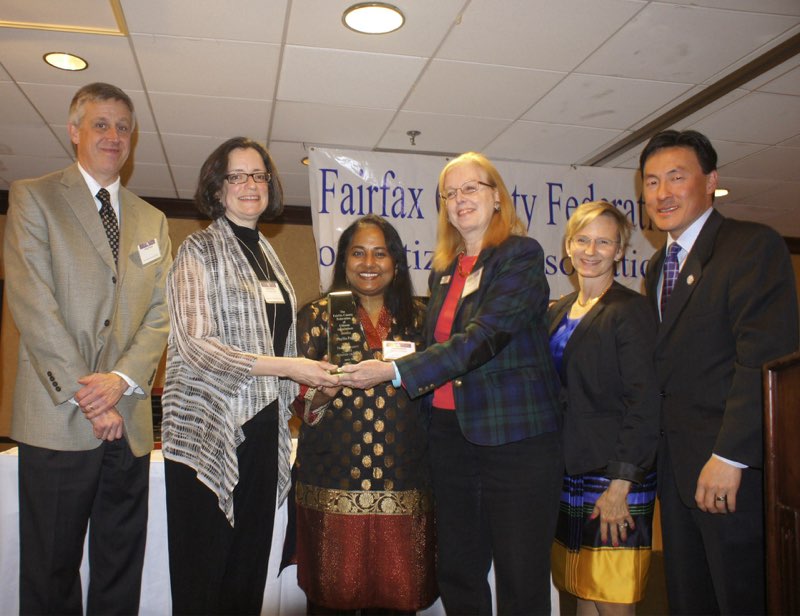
(494, 503)
(60, 492)
(215, 568)
(714, 563)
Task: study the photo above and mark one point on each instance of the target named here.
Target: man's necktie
(671, 270)
(109, 219)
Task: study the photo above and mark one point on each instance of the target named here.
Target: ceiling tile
(788, 83)
(16, 110)
(446, 134)
(669, 43)
(318, 23)
(152, 180)
(206, 67)
(17, 167)
(189, 150)
(245, 20)
(109, 58)
(482, 90)
(794, 142)
(774, 73)
(296, 190)
(779, 116)
(52, 101)
(287, 156)
(324, 124)
(84, 14)
(710, 109)
(535, 33)
(186, 177)
(207, 116)
(779, 7)
(339, 77)
(147, 149)
(770, 164)
(602, 102)
(548, 143)
(30, 141)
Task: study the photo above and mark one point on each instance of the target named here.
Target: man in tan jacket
(86, 261)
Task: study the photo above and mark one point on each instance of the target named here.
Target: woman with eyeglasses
(491, 394)
(232, 373)
(602, 339)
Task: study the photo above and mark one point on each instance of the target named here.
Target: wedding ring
(721, 499)
(623, 524)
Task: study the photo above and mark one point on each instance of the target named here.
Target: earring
(496, 206)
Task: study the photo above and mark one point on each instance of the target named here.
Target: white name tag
(395, 349)
(271, 292)
(149, 251)
(472, 283)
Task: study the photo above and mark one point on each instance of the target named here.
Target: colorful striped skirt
(585, 567)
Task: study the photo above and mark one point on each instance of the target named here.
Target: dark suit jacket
(612, 401)
(733, 308)
(79, 313)
(504, 382)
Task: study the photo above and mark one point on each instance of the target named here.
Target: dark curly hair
(398, 297)
(214, 170)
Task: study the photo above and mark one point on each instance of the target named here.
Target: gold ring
(721, 499)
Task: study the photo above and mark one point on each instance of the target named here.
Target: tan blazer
(77, 312)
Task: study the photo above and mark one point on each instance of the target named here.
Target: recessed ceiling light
(373, 18)
(65, 61)
(720, 192)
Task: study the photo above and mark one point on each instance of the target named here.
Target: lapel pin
(690, 279)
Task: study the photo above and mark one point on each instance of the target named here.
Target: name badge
(472, 283)
(395, 349)
(271, 292)
(445, 279)
(149, 251)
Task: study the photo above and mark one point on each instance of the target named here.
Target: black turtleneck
(278, 315)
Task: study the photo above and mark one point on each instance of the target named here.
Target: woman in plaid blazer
(492, 395)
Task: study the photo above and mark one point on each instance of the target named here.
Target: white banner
(346, 185)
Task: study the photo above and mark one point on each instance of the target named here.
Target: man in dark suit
(725, 294)
(86, 261)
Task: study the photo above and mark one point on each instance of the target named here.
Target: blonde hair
(589, 211)
(503, 224)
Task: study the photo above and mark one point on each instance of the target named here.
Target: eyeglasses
(601, 243)
(467, 188)
(259, 177)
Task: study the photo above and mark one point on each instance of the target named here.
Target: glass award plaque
(344, 331)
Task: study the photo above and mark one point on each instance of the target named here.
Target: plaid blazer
(504, 383)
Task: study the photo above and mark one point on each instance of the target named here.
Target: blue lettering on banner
(361, 199)
(418, 259)
(555, 264)
(528, 203)
(630, 266)
(327, 255)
